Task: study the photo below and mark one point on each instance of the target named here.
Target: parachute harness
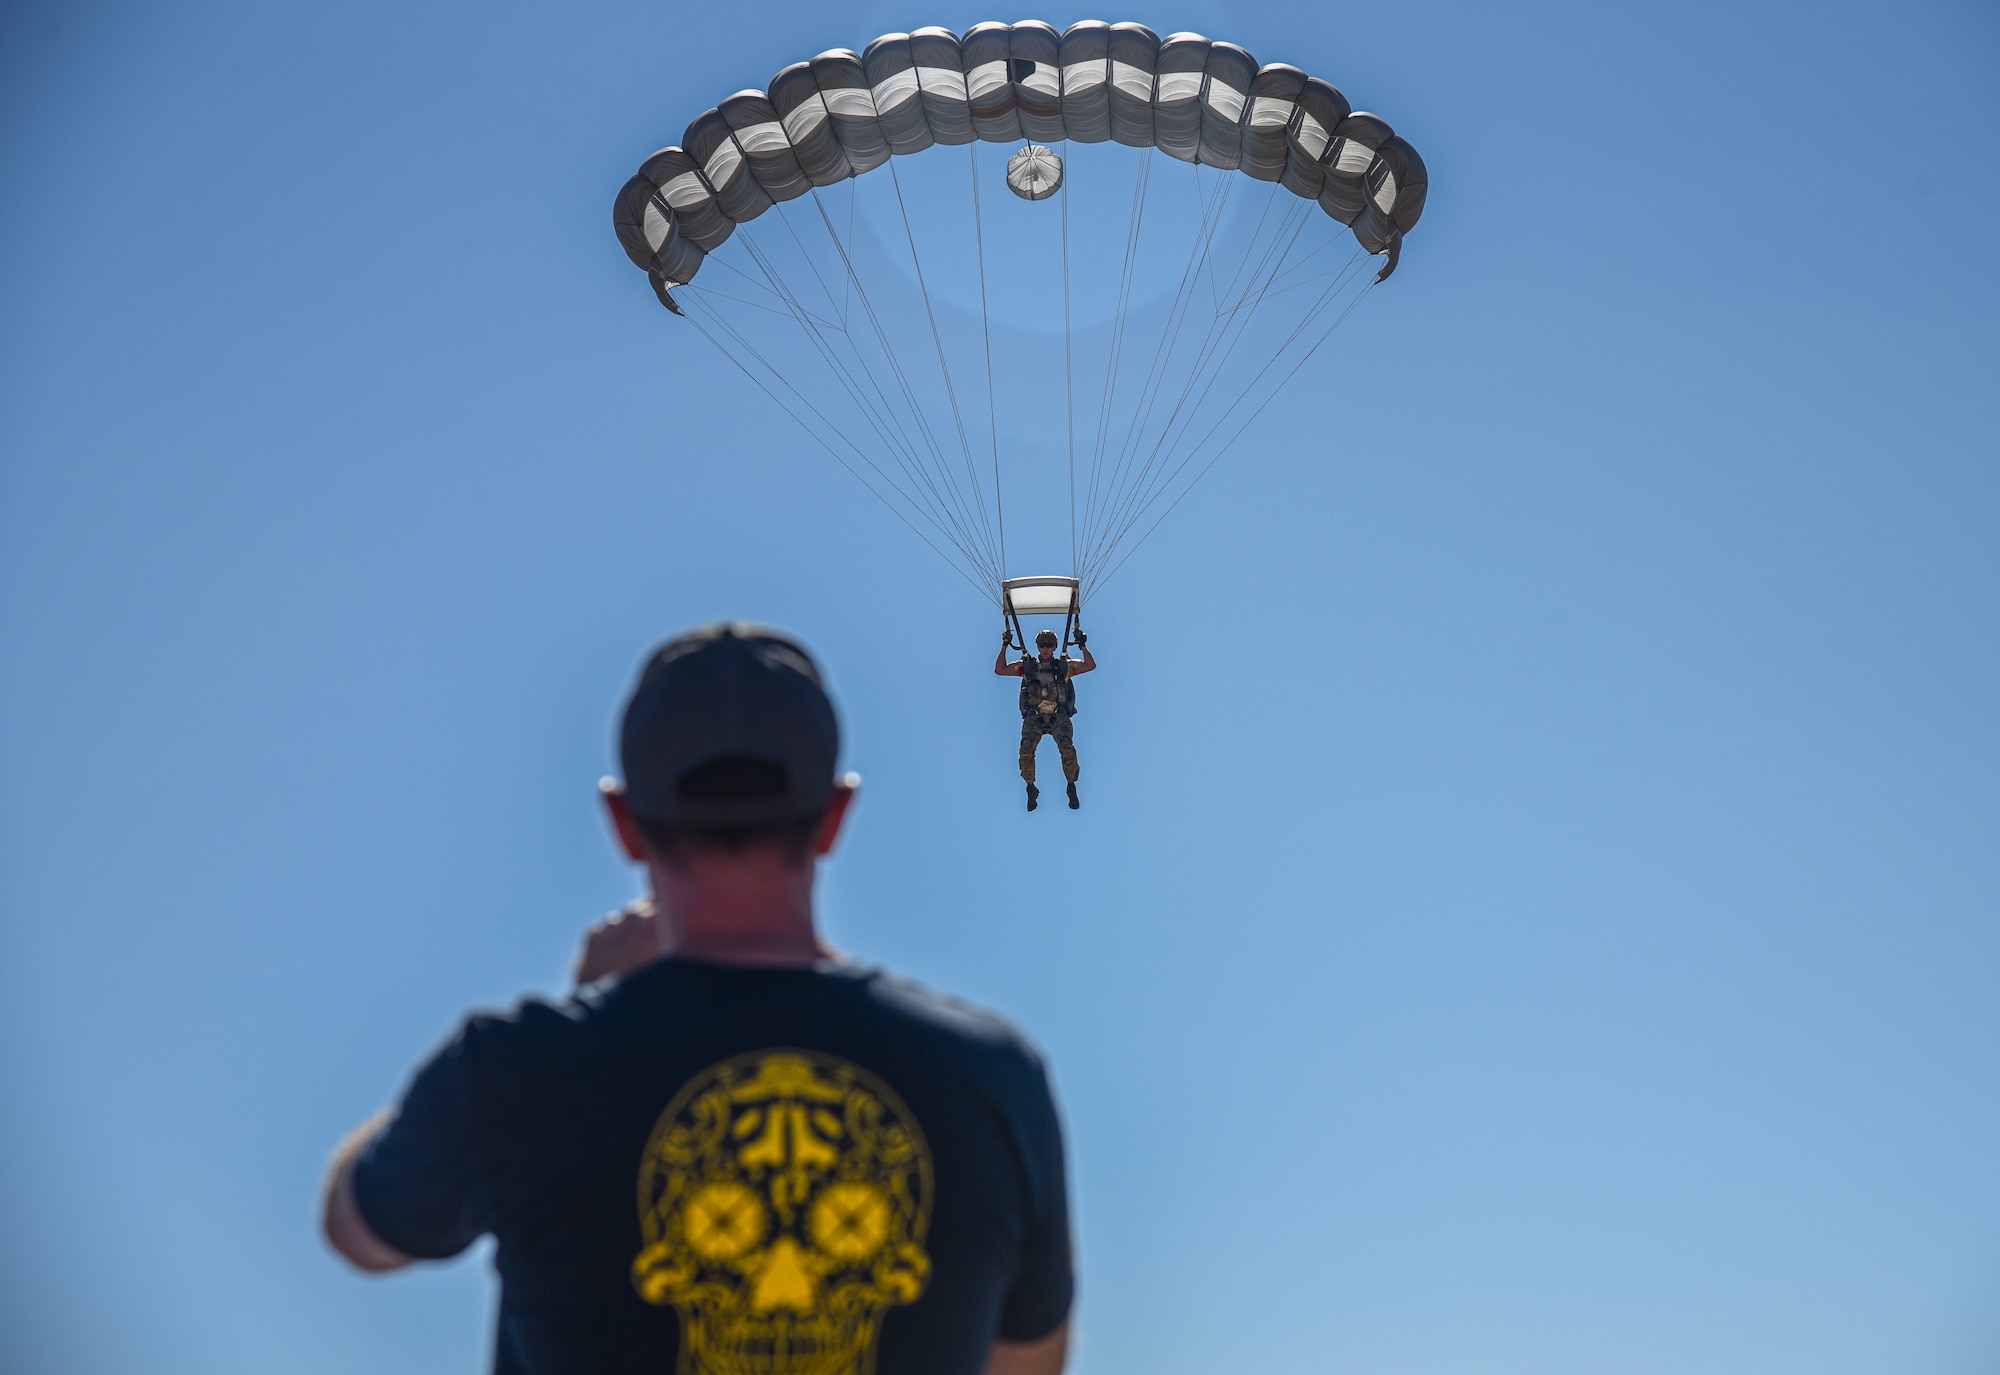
(1045, 688)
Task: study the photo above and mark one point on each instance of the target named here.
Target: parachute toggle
(1035, 173)
(660, 289)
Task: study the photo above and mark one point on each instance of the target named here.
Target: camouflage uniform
(1047, 703)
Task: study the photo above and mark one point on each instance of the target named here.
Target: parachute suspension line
(1214, 303)
(713, 294)
(754, 285)
(853, 195)
(986, 327)
(939, 511)
(1204, 355)
(1163, 353)
(937, 338)
(812, 266)
(1326, 297)
(1257, 234)
(985, 563)
(955, 535)
(1225, 330)
(1220, 342)
(932, 476)
(815, 336)
(1239, 433)
(943, 471)
(973, 506)
(1150, 495)
(1115, 363)
(1069, 371)
(820, 439)
(1271, 288)
(830, 356)
(1234, 311)
(1202, 265)
(1117, 347)
(1107, 482)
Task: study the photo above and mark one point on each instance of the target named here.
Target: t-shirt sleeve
(1044, 1280)
(419, 1183)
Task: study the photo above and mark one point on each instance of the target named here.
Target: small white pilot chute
(1035, 173)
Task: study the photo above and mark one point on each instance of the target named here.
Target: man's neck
(749, 909)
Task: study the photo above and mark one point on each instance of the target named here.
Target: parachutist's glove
(1082, 640)
(1006, 639)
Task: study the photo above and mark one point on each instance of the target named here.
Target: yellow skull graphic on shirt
(783, 1197)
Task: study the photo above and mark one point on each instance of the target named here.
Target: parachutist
(1048, 701)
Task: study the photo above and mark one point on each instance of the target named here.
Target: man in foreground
(729, 1151)
(1048, 701)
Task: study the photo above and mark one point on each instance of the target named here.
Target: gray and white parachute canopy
(896, 399)
(843, 114)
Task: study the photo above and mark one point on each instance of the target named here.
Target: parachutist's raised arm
(1089, 661)
(1001, 667)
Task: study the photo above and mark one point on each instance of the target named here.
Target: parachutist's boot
(1073, 803)
(1034, 797)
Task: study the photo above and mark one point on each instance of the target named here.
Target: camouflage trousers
(1033, 728)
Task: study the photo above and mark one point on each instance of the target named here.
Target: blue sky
(1535, 906)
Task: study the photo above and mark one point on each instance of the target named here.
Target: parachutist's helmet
(1045, 640)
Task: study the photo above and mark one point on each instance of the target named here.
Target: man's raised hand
(621, 943)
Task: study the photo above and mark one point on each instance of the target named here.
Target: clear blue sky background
(1569, 945)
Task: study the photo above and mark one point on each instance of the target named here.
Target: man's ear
(630, 838)
(830, 822)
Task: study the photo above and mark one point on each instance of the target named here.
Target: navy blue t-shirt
(761, 1170)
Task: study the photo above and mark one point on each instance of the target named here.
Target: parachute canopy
(843, 114)
(1134, 346)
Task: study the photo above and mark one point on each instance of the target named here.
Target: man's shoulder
(946, 1014)
(558, 1035)
(530, 1029)
(978, 1041)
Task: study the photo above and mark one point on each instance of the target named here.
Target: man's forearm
(347, 1231)
(1044, 1356)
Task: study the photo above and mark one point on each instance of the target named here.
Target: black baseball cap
(729, 725)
